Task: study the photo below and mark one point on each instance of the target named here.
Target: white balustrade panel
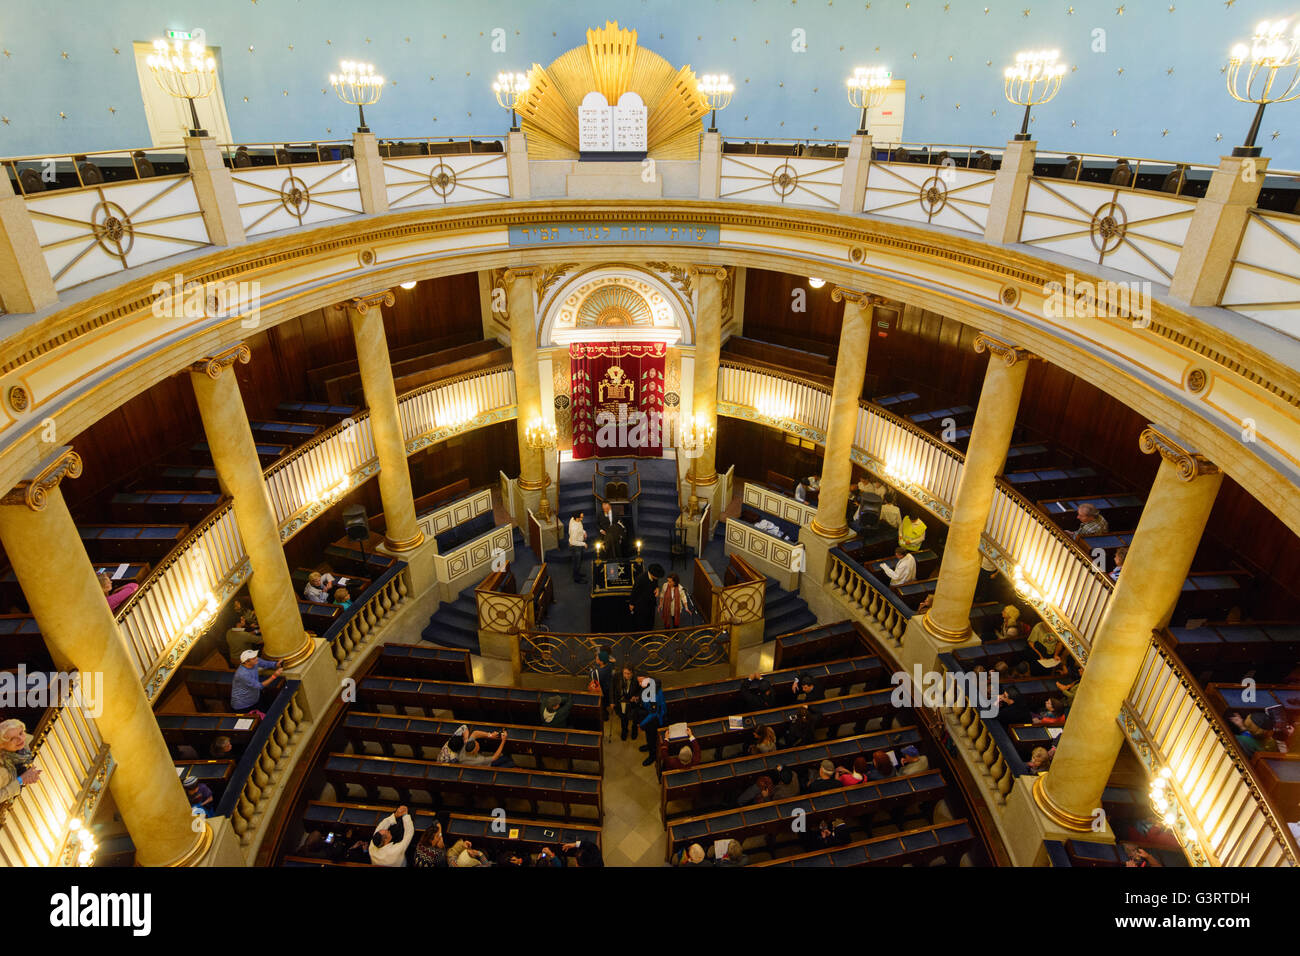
(1265, 279)
(98, 230)
(1134, 231)
(286, 197)
(457, 405)
(949, 196)
(788, 509)
(790, 180)
(436, 180)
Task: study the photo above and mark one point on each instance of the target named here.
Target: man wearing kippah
(248, 691)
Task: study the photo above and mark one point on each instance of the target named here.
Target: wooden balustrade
(285, 718)
(354, 631)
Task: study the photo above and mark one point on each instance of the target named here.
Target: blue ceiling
(1150, 85)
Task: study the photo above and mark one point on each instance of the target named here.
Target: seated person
(829, 833)
(889, 513)
(686, 756)
(760, 791)
(241, 638)
(585, 852)
(799, 728)
(734, 855)
(823, 778)
(221, 749)
(1043, 645)
(343, 598)
(849, 778)
(911, 534)
(1012, 708)
(318, 587)
(785, 784)
(1256, 733)
(1120, 555)
(555, 710)
(911, 760)
(473, 754)
(546, 857)
(882, 767)
(1067, 680)
(431, 851)
(1052, 715)
(250, 690)
(764, 740)
(199, 794)
(116, 598)
(1040, 759)
(386, 849)
(693, 855)
(1010, 618)
(1136, 856)
(756, 693)
(1091, 521)
(462, 853)
(904, 569)
(806, 688)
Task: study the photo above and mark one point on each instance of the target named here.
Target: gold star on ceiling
(1218, 136)
(62, 115)
(1073, 124)
(1277, 133)
(1164, 132)
(246, 98)
(250, 49)
(64, 54)
(914, 55)
(1120, 71)
(1119, 11)
(7, 54)
(1229, 3)
(994, 113)
(1171, 8)
(113, 110)
(1026, 11)
(284, 92)
(1114, 132)
(116, 52)
(1069, 11)
(290, 47)
(946, 7)
(5, 120)
(988, 62)
(949, 57)
(922, 97)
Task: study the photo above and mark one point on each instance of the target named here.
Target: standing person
(655, 709)
(602, 679)
(577, 545)
(903, 571)
(672, 600)
(626, 696)
(611, 532)
(641, 602)
(116, 598)
(386, 849)
(248, 691)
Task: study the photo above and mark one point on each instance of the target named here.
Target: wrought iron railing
(646, 652)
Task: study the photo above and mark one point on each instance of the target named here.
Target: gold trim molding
(944, 634)
(406, 544)
(1190, 464)
(33, 492)
(518, 272)
(831, 534)
(861, 299)
(364, 303)
(700, 272)
(1054, 811)
(526, 485)
(198, 849)
(1010, 354)
(214, 365)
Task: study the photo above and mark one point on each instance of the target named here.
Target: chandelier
(867, 88)
(1033, 80)
(357, 85)
(716, 88)
(511, 90)
(185, 71)
(1271, 52)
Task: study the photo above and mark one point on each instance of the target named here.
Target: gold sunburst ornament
(611, 63)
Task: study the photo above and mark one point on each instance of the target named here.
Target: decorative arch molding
(576, 300)
(103, 345)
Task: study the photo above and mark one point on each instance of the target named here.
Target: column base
(921, 646)
(830, 534)
(304, 651)
(958, 637)
(1027, 825)
(532, 485)
(224, 848)
(420, 563)
(397, 548)
(193, 856)
(1057, 813)
(319, 675)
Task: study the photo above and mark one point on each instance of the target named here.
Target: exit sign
(179, 35)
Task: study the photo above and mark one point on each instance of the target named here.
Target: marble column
(61, 588)
(708, 350)
(521, 311)
(1159, 558)
(234, 455)
(990, 438)
(401, 532)
(850, 369)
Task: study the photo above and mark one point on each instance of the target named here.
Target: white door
(169, 117)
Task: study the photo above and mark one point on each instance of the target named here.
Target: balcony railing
(1164, 718)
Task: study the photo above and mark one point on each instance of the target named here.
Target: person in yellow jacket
(911, 534)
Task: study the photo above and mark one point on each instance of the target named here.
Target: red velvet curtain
(625, 418)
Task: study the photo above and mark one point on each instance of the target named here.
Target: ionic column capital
(214, 365)
(33, 490)
(518, 272)
(364, 303)
(1010, 354)
(716, 272)
(1190, 464)
(861, 299)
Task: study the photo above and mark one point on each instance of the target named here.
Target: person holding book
(687, 755)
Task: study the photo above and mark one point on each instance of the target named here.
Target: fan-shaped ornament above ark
(612, 64)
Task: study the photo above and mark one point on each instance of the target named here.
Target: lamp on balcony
(357, 85)
(1271, 52)
(186, 72)
(695, 438)
(1033, 80)
(867, 88)
(511, 90)
(542, 437)
(716, 88)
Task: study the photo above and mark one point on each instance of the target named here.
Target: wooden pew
(1120, 509)
(1224, 697)
(187, 477)
(1209, 594)
(331, 817)
(215, 773)
(1052, 482)
(360, 727)
(1028, 455)
(1026, 737)
(21, 643)
(900, 403)
(478, 702)
(528, 835)
(349, 559)
(487, 784)
(189, 506)
(268, 453)
(849, 709)
(291, 433)
(711, 781)
(992, 652)
(130, 542)
(316, 413)
(208, 686)
(696, 701)
(818, 643)
(856, 802)
(1230, 646)
(434, 663)
(915, 847)
(199, 730)
(927, 562)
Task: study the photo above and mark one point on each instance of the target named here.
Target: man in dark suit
(641, 602)
(612, 532)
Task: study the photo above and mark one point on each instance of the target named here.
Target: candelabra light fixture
(541, 437)
(696, 436)
(1034, 80)
(511, 90)
(867, 88)
(81, 842)
(358, 85)
(184, 70)
(1267, 71)
(1166, 807)
(716, 89)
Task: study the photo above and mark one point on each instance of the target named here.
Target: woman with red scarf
(671, 601)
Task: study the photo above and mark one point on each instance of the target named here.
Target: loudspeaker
(356, 523)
